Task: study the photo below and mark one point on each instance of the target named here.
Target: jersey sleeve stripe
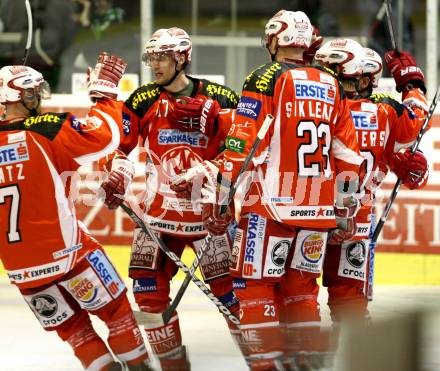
(342, 152)
(114, 143)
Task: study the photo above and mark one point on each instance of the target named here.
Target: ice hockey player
(281, 237)
(61, 271)
(384, 128)
(175, 118)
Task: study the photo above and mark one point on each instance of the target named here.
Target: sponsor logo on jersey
(249, 107)
(47, 118)
(174, 136)
(144, 285)
(229, 300)
(222, 91)
(106, 272)
(238, 283)
(126, 123)
(236, 249)
(313, 90)
(254, 244)
(312, 248)
(16, 137)
(235, 144)
(69, 250)
(279, 252)
(353, 260)
(38, 272)
(83, 290)
(13, 153)
(143, 95)
(264, 81)
(356, 254)
(364, 120)
(45, 305)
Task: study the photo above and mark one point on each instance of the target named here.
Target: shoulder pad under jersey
(226, 97)
(263, 79)
(387, 99)
(140, 101)
(47, 124)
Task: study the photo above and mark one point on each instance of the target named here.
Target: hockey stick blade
(199, 254)
(225, 311)
(414, 148)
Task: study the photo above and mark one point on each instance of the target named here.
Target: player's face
(163, 67)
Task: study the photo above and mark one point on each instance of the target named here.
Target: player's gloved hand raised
(196, 114)
(412, 169)
(345, 221)
(404, 69)
(315, 44)
(103, 79)
(117, 182)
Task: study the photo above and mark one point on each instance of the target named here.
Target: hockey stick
(199, 254)
(30, 31)
(149, 318)
(390, 25)
(414, 148)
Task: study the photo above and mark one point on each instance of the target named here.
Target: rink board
(391, 268)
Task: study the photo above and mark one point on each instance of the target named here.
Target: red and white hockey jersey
(39, 233)
(170, 149)
(311, 141)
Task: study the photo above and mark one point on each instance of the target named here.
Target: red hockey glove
(118, 181)
(346, 223)
(196, 177)
(215, 222)
(404, 69)
(315, 44)
(412, 169)
(197, 114)
(103, 80)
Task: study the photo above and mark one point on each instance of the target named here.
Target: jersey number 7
(14, 193)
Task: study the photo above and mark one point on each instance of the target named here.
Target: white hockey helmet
(372, 66)
(15, 80)
(346, 53)
(290, 28)
(172, 41)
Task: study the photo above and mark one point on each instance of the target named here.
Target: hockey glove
(196, 114)
(118, 181)
(412, 169)
(103, 80)
(345, 221)
(315, 44)
(404, 69)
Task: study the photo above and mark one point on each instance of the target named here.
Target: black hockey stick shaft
(391, 29)
(414, 148)
(30, 31)
(180, 264)
(200, 252)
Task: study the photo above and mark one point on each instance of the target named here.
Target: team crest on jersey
(126, 123)
(174, 136)
(364, 120)
(314, 90)
(177, 159)
(249, 107)
(13, 153)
